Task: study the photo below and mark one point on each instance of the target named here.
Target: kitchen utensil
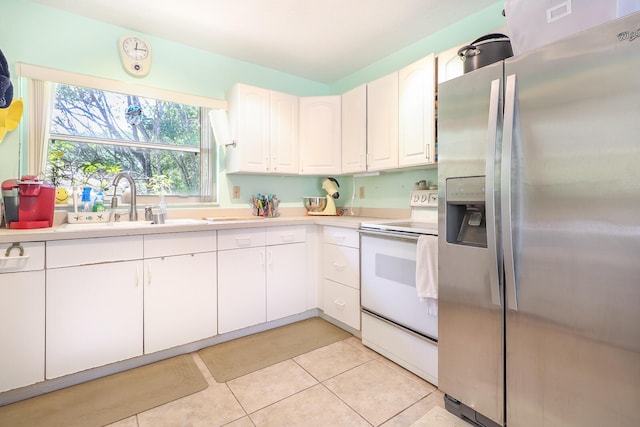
(315, 203)
(484, 51)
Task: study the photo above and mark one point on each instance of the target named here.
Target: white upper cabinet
(264, 125)
(284, 133)
(354, 130)
(416, 113)
(320, 135)
(449, 64)
(382, 123)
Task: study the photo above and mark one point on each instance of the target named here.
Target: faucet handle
(114, 202)
(148, 213)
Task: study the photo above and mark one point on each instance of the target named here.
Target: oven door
(388, 281)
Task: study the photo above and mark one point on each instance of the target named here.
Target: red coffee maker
(28, 202)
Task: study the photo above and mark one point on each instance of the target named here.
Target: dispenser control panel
(466, 190)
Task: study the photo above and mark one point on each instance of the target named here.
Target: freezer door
(470, 324)
(573, 288)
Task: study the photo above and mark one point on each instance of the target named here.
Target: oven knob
(416, 197)
(423, 198)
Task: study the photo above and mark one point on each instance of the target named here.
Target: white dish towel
(427, 272)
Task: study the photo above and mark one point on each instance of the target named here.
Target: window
(94, 134)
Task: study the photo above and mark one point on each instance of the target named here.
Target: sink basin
(127, 224)
(232, 218)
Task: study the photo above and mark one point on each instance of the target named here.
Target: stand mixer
(330, 185)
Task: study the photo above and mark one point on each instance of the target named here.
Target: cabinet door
(249, 120)
(382, 123)
(284, 133)
(354, 130)
(94, 316)
(416, 113)
(450, 65)
(180, 300)
(286, 284)
(320, 135)
(22, 322)
(241, 288)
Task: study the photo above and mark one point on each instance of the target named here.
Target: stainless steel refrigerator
(539, 228)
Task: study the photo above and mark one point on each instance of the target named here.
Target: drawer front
(32, 257)
(158, 245)
(65, 253)
(342, 303)
(341, 264)
(341, 236)
(286, 234)
(241, 238)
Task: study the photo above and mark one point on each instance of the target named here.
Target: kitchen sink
(233, 218)
(127, 224)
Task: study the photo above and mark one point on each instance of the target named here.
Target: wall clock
(135, 53)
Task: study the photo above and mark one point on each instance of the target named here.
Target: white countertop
(67, 231)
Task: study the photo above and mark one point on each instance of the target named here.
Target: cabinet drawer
(32, 258)
(286, 234)
(341, 264)
(65, 253)
(158, 245)
(342, 303)
(341, 236)
(241, 238)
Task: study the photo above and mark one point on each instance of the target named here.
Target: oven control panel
(424, 198)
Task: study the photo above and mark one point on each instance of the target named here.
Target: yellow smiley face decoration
(62, 196)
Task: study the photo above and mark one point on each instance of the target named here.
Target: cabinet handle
(137, 276)
(262, 260)
(428, 151)
(287, 238)
(271, 258)
(243, 241)
(340, 304)
(149, 274)
(340, 237)
(338, 267)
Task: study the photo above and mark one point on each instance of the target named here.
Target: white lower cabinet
(261, 275)
(22, 323)
(94, 303)
(342, 303)
(241, 288)
(180, 298)
(341, 275)
(94, 316)
(286, 284)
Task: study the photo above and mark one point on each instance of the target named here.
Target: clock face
(135, 48)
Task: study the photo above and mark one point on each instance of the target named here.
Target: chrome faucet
(133, 213)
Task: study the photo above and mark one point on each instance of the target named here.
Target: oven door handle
(390, 235)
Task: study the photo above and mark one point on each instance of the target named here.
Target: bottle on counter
(98, 204)
(85, 203)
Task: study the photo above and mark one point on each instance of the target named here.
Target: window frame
(208, 193)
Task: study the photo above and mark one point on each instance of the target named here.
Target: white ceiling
(322, 40)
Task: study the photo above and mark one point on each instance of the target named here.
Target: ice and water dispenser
(465, 211)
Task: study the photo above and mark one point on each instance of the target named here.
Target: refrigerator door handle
(505, 196)
(490, 202)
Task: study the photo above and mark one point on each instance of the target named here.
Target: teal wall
(48, 37)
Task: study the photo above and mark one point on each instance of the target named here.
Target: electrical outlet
(362, 192)
(236, 192)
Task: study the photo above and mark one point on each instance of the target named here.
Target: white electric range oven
(395, 322)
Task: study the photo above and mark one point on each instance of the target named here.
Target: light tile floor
(342, 384)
